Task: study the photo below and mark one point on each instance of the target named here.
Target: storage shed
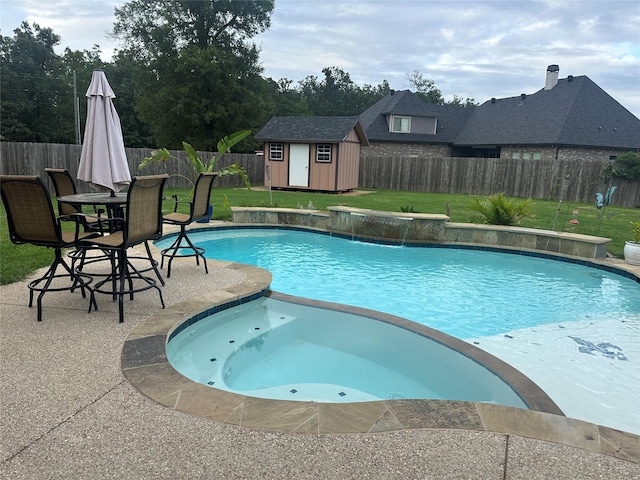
(312, 153)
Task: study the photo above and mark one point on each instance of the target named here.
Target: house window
(515, 155)
(400, 124)
(323, 153)
(537, 156)
(526, 155)
(276, 151)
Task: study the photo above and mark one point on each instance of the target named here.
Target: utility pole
(76, 108)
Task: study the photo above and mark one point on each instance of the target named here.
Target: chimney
(552, 77)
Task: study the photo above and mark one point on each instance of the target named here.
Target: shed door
(299, 164)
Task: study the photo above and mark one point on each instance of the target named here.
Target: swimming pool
(276, 349)
(488, 298)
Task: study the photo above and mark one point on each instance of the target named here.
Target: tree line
(186, 71)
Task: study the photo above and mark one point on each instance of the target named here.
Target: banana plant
(197, 165)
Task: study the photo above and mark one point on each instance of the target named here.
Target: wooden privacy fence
(572, 179)
(33, 158)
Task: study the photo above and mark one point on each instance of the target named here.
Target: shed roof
(311, 130)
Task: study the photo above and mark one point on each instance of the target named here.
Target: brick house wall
(380, 149)
(528, 152)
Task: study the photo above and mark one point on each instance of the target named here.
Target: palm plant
(497, 209)
(197, 166)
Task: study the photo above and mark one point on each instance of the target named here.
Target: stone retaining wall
(425, 228)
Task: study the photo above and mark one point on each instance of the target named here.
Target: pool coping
(146, 367)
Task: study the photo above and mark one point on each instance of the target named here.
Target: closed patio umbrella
(103, 161)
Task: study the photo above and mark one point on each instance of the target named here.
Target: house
(312, 153)
(568, 118)
(401, 124)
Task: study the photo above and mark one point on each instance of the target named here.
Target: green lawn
(18, 261)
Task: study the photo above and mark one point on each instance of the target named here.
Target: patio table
(106, 199)
(113, 203)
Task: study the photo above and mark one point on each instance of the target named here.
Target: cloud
(476, 49)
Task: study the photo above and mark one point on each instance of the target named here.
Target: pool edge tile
(540, 425)
(451, 414)
(277, 415)
(350, 417)
(619, 444)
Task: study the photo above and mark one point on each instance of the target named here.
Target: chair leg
(122, 270)
(132, 272)
(78, 280)
(114, 275)
(172, 251)
(154, 264)
(121, 281)
(199, 253)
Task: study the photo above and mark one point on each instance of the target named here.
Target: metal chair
(142, 222)
(64, 184)
(198, 209)
(31, 220)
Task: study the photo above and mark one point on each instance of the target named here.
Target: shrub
(497, 209)
(625, 167)
(636, 231)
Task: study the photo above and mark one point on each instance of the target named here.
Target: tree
(157, 28)
(337, 94)
(285, 99)
(32, 91)
(38, 103)
(198, 74)
(625, 167)
(425, 88)
(78, 64)
(459, 102)
(123, 78)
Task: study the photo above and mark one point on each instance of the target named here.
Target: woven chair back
(144, 209)
(63, 184)
(202, 195)
(30, 214)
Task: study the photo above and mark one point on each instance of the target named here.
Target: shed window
(400, 124)
(323, 153)
(276, 151)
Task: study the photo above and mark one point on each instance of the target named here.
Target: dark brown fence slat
(543, 179)
(519, 178)
(33, 158)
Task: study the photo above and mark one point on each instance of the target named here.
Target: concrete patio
(67, 411)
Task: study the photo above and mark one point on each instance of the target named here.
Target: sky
(473, 49)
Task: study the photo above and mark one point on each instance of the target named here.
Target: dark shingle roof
(311, 129)
(574, 112)
(451, 119)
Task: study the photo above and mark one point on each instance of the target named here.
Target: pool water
(465, 293)
(498, 301)
(269, 348)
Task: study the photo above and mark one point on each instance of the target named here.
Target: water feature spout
(396, 228)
